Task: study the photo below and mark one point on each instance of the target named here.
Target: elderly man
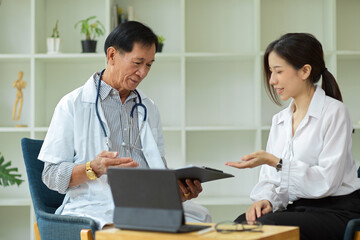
(109, 122)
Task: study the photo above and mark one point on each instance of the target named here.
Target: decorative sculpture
(19, 84)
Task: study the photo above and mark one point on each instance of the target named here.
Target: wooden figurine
(19, 84)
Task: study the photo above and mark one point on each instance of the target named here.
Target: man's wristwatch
(90, 172)
(279, 165)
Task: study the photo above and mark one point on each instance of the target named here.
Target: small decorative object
(131, 14)
(19, 84)
(161, 40)
(7, 175)
(121, 16)
(91, 31)
(53, 42)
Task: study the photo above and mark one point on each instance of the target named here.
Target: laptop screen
(147, 199)
(144, 188)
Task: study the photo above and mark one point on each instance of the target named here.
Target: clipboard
(203, 174)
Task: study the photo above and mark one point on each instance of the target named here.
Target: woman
(308, 177)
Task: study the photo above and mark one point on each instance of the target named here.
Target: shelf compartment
(10, 73)
(15, 202)
(163, 86)
(214, 149)
(15, 129)
(348, 55)
(167, 56)
(349, 85)
(219, 26)
(173, 149)
(68, 13)
(16, 224)
(164, 19)
(278, 17)
(347, 17)
(74, 57)
(14, 58)
(15, 27)
(219, 56)
(355, 144)
(54, 79)
(219, 128)
(220, 92)
(13, 153)
(171, 129)
(264, 138)
(40, 135)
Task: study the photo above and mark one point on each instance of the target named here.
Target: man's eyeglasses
(247, 226)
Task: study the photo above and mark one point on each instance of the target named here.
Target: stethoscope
(139, 104)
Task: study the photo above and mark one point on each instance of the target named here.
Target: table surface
(269, 233)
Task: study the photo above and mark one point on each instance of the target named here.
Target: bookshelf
(207, 82)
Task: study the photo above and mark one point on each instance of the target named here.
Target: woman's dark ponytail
(330, 85)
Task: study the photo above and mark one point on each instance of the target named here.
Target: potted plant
(53, 42)
(7, 177)
(91, 31)
(161, 40)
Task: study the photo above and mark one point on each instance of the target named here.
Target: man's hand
(191, 190)
(257, 209)
(99, 165)
(106, 159)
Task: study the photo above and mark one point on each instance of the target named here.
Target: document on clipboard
(203, 174)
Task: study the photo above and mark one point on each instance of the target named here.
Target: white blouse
(317, 160)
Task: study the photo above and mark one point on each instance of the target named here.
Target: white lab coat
(76, 136)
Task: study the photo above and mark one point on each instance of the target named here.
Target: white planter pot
(53, 45)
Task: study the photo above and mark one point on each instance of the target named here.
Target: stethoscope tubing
(139, 104)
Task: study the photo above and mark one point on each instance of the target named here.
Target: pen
(206, 230)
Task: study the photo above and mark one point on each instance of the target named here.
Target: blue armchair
(353, 226)
(51, 226)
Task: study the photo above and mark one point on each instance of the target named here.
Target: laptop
(148, 199)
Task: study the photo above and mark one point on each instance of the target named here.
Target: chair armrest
(55, 226)
(36, 231)
(66, 219)
(352, 226)
(86, 234)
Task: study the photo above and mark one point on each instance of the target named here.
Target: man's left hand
(190, 189)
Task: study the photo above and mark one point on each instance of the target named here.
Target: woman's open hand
(255, 159)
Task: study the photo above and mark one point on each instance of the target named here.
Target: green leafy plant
(55, 31)
(161, 39)
(7, 175)
(91, 30)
